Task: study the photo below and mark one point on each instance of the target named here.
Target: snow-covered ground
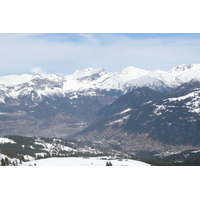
(6, 140)
(78, 161)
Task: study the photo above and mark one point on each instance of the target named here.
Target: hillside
(32, 151)
(158, 122)
(36, 147)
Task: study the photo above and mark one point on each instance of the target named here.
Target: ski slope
(80, 161)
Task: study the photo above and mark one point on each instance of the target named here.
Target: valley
(134, 114)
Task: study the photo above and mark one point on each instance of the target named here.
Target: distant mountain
(51, 117)
(147, 120)
(51, 105)
(129, 102)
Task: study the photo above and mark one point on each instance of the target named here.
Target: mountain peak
(87, 72)
(131, 73)
(182, 68)
(132, 69)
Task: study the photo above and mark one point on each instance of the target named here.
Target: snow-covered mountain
(87, 81)
(52, 105)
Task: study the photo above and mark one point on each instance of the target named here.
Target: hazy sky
(65, 53)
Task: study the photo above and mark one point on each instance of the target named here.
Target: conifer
(3, 162)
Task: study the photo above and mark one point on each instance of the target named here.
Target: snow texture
(90, 161)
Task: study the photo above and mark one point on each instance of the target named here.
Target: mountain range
(131, 110)
(85, 82)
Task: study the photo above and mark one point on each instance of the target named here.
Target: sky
(66, 52)
(48, 37)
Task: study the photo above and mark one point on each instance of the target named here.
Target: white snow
(52, 147)
(83, 82)
(124, 111)
(86, 72)
(193, 103)
(196, 151)
(6, 140)
(119, 120)
(4, 113)
(158, 109)
(78, 161)
(127, 110)
(191, 94)
(15, 79)
(55, 147)
(148, 102)
(28, 158)
(167, 153)
(42, 154)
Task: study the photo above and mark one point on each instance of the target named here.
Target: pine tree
(108, 164)
(6, 161)
(22, 158)
(3, 162)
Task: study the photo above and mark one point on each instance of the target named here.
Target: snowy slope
(15, 79)
(91, 161)
(58, 152)
(190, 101)
(183, 73)
(42, 84)
(6, 140)
(86, 72)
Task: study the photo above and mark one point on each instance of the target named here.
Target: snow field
(79, 161)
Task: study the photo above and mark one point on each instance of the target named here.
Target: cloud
(90, 38)
(56, 53)
(38, 70)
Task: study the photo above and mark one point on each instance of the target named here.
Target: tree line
(7, 162)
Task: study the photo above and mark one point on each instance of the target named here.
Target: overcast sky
(65, 53)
